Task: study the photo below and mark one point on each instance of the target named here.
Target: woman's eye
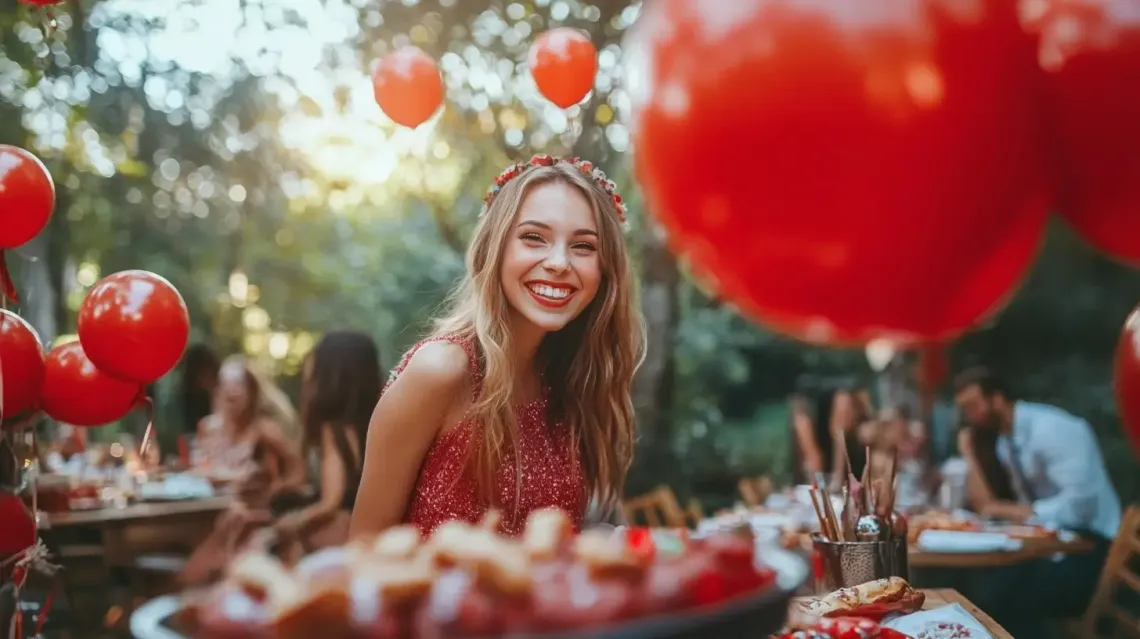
(531, 237)
(585, 246)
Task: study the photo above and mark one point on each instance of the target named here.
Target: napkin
(947, 622)
(965, 541)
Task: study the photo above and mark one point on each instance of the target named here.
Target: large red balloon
(1090, 54)
(77, 393)
(27, 196)
(844, 171)
(134, 326)
(564, 62)
(19, 530)
(1126, 381)
(21, 367)
(407, 86)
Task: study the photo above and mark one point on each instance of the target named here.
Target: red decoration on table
(1090, 54)
(563, 62)
(844, 628)
(1126, 382)
(640, 541)
(41, 3)
(134, 326)
(76, 392)
(21, 368)
(19, 530)
(408, 86)
(843, 174)
(27, 197)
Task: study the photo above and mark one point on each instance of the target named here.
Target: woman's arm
(334, 483)
(805, 437)
(407, 419)
(290, 468)
(978, 490)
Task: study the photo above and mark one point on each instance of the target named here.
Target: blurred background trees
(234, 147)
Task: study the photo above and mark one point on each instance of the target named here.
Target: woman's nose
(557, 260)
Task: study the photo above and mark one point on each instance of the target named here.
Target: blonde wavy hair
(588, 365)
(266, 398)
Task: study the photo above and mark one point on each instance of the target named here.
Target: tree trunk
(653, 387)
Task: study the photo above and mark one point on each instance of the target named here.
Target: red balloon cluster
(1127, 378)
(133, 329)
(564, 62)
(844, 173)
(27, 197)
(1089, 53)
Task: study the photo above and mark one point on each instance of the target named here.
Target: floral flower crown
(585, 166)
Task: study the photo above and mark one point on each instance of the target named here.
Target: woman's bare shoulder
(437, 366)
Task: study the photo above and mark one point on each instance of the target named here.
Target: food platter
(748, 616)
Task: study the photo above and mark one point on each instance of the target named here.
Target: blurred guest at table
(245, 436)
(341, 385)
(829, 429)
(244, 440)
(198, 381)
(904, 439)
(1059, 480)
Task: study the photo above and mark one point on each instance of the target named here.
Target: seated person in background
(341, 384)
(830, 434)
(895, 431)
(244, 440)
(1059, 479)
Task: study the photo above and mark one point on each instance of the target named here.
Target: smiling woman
(520, 399)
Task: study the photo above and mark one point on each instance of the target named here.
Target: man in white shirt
(1057, 473)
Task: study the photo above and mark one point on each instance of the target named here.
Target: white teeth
(549, 291)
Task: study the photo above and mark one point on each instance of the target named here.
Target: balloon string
(35, 475)
(34, 557)
(148, 434)
(7, 286)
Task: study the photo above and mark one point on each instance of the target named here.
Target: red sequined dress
(551, 475)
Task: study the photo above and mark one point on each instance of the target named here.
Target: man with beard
(1057, 473)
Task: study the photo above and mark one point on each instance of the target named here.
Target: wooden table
(95, 545)
(939, 597)
(123, 533)
(1031, 549)
(140, 510)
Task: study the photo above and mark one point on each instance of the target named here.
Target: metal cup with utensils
(843, 564)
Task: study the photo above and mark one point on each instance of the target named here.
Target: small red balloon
(844, 175)
(77, 393)
(27, 196)
(1089, 51)
(134, 326)
(564, 62)
(19, 530)
(21, 367)
(408, 86)
(1126, 382)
